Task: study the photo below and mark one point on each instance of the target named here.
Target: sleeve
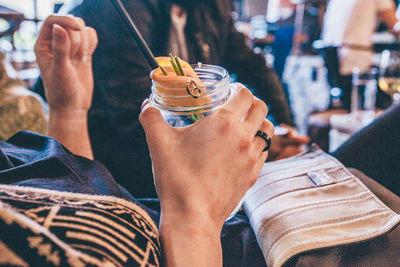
(251, 69)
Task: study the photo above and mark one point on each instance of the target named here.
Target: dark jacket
(122, 75)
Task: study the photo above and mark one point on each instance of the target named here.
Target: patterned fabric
(39, 226)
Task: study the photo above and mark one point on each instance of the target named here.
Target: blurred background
(287, 33)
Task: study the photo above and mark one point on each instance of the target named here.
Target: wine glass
(389, 80)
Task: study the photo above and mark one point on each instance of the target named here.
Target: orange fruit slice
(173, 88)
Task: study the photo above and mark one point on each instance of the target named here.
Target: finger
(256, 115)
(76, 42)
(240, 102)
(153, 124)
(293, 139)
(268, 128)
(260, 144)
(60, 44)
(145, 103)
(289, 151)
(93, 40)
(84, 45)
(67, 22)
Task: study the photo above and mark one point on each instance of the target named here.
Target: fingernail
(56, 29)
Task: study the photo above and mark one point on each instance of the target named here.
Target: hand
(203, 170)
(287, 143)
(216, 159)
(64, 51)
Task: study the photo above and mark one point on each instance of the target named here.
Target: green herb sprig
(176, 64)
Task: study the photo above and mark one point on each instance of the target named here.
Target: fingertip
(270, 126)
(93, 39)
(81, 22)
(60, 43)
(151, 117)
(148, 111)
(69, 21)
(59, 34)
(235, 87)
(257, 101)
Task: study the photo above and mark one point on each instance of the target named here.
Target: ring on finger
(266, 138)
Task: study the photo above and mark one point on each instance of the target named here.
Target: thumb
(154, 125)
(60, 44)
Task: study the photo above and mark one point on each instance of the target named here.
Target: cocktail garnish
(178, 63)
(175, 65)
(193, 90)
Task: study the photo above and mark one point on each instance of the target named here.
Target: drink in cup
(186, 99)
(183, 100)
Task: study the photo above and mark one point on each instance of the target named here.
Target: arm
(203, 184)
(64, 53)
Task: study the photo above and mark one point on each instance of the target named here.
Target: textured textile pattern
(311, 201)
(55, 228)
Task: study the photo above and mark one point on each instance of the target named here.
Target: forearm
(190, 242)
(71, 130)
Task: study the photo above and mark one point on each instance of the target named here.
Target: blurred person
(196, 31)
(288, 37)
(281, 14)
(347, 37)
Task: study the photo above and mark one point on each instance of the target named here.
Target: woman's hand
(203, 170)
(64, 51)
(287, 143)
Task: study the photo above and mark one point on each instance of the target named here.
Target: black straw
(136, 35)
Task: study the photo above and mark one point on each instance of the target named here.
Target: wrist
(180, 238)
(71, 130)
(193, 222)
(191, 212)
(68, 115)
